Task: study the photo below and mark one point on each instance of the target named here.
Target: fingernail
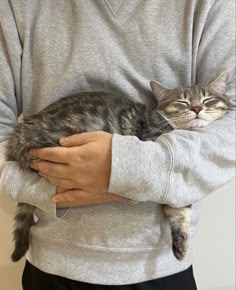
(55, 199)
(64, 140)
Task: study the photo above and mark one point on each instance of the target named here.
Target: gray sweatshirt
(50, 49)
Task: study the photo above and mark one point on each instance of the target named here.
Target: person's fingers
(60, 182)
(53, 154)
(51, 169)
(81, 197)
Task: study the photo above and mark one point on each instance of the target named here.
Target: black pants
(34, 279)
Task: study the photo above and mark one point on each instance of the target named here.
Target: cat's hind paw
(180, 244)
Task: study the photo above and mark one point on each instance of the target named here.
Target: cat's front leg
(179, 220)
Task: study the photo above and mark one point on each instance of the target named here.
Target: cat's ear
(219, 85)
(159, 90)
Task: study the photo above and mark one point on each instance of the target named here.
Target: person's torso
(115, 46)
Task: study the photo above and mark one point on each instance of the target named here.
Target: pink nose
(196, 109)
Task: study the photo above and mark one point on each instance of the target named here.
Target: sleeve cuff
(141, 170)
(28, 187)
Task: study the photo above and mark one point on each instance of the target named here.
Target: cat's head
(194, 106)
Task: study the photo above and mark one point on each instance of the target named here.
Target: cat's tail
(24, 219)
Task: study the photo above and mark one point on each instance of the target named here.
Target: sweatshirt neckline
(115, 6)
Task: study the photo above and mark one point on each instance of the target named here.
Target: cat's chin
(196, 123)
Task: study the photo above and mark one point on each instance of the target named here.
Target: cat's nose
(196, 109)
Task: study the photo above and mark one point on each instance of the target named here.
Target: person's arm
(25, 186)
(184, 166)
(181, 167)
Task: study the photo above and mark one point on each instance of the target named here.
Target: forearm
(180, 168)
(2, 155)
(27, 187)
(203, 161)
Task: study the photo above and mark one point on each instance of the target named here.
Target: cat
(179, 108)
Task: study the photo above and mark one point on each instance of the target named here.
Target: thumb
(67, 196)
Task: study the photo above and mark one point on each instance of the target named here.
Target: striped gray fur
(96, 111)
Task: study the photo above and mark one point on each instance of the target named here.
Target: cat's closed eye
(182, 103)
(207, 100)
(215, 103)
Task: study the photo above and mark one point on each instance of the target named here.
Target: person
(99, 196)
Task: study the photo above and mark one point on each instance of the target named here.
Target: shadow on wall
(10, 273)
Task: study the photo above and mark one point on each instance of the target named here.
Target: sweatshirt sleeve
(26, 186)
(184, 166)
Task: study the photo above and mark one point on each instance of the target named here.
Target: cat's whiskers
(181, 118)
(160, 126)
(157, 128)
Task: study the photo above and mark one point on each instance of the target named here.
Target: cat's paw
(180, 244)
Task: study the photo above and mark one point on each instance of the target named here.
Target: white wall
(214, 250)
(214, 244)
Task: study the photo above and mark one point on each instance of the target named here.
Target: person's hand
(76, 197)
(83, 162)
